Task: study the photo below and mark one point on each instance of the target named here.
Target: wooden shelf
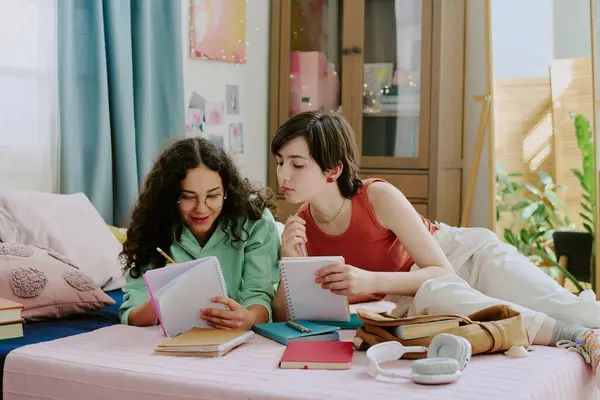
(385, 114)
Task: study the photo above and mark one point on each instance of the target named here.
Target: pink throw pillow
(46, 283)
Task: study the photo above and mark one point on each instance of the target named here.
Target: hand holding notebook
(180, 291)
(306, 299)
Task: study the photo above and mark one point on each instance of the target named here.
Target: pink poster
(218, 30)
(236, 138)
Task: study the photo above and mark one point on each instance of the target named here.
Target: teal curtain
(120, 96)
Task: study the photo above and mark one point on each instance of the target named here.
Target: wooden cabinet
(372, 61)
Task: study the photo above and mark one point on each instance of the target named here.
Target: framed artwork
(214, 113)
(232, 99)
(194, 120)
(236, 138)
(218, 30)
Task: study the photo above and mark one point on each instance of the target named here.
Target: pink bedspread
(117, 362)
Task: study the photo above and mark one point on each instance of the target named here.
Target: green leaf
(521, 204)
(510, 237)
(529, 210)
(532, 189)
(586, 207)
(587, 218)
(545, 179)
(550, 254)
(524, 236)
(564, 271)
(552, 197)
(579, 174)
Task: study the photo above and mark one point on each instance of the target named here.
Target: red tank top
(365, 244)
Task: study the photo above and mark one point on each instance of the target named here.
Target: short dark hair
(330, 141)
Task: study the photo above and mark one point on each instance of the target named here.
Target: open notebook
(179, 291)
(306, 299)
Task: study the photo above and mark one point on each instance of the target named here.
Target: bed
(37, 332)
(117, 362)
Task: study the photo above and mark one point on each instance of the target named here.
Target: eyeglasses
(212, 201)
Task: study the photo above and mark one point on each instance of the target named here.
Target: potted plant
(587, 179)
(529, 214)
(535, 212)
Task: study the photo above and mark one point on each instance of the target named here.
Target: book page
(157, 278)
(309, 301)
(181, 301)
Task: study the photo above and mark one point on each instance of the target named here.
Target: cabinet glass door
(314, 56)
(309, 63)
(394, 129)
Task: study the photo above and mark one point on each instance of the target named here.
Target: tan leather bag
(490, 330)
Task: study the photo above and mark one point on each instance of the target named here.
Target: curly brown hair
(156, 213)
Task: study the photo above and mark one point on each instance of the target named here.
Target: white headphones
(447, 357)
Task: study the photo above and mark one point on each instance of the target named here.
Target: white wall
(523, 41)
(209, 78)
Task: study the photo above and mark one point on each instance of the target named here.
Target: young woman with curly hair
(195, 204)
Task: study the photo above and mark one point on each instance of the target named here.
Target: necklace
(323, 221)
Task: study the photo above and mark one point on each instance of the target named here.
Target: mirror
(543, 116)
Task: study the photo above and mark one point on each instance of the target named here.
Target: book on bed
(317, 355)
(282, 333)
(424, 329)
(304, 298)
(353, 323)
(202, 342)
(11, 321)
(179, 291)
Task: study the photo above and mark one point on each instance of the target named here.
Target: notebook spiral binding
(215, 263)
(288, 298)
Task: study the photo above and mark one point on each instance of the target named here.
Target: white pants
(492, 272)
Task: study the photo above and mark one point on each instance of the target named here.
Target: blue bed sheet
(43, 331)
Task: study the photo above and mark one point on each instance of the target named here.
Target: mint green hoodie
(250, 269)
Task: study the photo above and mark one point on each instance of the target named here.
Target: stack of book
(11, 321)
(424, 329)
(204, 342)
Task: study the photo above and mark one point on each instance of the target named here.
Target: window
(28, 95)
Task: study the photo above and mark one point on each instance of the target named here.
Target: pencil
(165, 255)
(302, 246)
(297, 327)
(303, 250)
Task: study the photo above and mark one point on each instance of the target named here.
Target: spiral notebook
(179, 291)
(307, 300)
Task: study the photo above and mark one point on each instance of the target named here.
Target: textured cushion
(66, 223)
(48, 284)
